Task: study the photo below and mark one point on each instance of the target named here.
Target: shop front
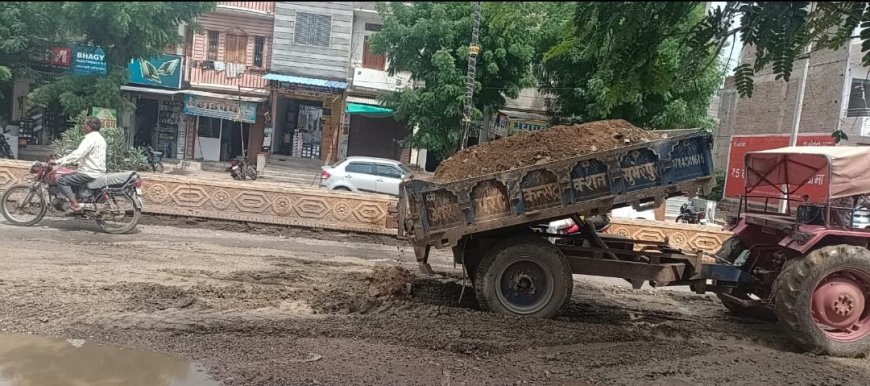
(373, 132)
(221, 126)
(308, 116)
(155, 89)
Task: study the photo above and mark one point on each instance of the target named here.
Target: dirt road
(277, 310)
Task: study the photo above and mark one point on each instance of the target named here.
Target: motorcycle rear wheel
(117, 204)
(157, 167)
(27, 194)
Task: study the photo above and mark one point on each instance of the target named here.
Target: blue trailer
(496, 223)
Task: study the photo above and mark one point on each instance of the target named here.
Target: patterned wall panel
(682, 236)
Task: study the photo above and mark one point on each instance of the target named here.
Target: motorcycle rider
(91, 157)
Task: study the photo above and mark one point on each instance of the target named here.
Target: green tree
(629, 60)
(125, 30)
(430, 40)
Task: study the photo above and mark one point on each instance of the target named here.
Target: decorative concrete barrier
(268, 203)
(683, 236)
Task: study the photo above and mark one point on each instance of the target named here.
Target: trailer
(496, 226)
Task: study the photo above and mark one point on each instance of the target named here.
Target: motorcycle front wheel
(119, 215)
(157, 167)
(251, 172)
(22, 205)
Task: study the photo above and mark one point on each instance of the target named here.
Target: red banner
(742, 144)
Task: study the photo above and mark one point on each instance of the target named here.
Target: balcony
(251, 81)
(265, 7)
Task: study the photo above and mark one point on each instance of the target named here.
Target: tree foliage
(629, 60)
(430, 40)
(125, 30)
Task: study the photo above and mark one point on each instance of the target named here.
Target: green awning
(368, 110)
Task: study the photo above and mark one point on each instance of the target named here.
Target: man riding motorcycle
(91, 157)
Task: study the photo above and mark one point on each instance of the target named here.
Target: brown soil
(276, 311)
(390, 281)
(527, 149)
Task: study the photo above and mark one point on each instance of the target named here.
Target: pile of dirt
(527, 149)
(390, 281)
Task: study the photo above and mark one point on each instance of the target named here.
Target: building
(526, 112)
(835, 98)
(216, 110)
(308, 78)
(369, 129)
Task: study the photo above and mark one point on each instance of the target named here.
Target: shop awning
(333, 84)
(228, 96)
(367, 110)
(160, 91)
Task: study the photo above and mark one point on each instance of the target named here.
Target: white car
(365, 174)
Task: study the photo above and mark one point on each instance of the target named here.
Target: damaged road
(320, 308)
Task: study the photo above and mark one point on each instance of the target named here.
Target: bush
(120, 156)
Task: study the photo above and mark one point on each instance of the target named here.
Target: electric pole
(473, 50)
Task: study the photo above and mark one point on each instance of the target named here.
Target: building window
(312, 29)
(373, 27)
(859, 99)
(236, 49)
(259, 46)
(370, 60)
(213, 38)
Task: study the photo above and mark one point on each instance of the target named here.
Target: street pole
(473, 50)
(796, 124)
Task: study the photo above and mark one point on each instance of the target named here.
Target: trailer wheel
(524, 276)
(730, 251)
(821, 300)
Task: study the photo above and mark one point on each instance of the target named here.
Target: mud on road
(286, 310)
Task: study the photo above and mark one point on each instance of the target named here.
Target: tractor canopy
(843, 170)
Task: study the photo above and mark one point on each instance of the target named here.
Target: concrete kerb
(256, 201)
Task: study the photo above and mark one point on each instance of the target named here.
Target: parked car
(365, 174)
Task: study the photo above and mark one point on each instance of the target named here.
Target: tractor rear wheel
(821, 300)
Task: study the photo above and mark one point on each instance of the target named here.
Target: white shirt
(91, 155)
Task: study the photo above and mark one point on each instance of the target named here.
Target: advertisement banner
(108, 117)
(88, 60)
(742, 144)
(162, 71)
(75, 60)
(220, 108)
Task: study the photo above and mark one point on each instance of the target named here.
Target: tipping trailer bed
(642, 175)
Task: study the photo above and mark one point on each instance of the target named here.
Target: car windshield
(404, 168)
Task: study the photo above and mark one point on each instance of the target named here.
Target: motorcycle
(240, 169)
(689, 215)
(111, 198)
(154, 160)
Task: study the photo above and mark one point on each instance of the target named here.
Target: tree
(629, 60)
(430, 40)
(125, 30)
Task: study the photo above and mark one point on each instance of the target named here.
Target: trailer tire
(524, 276)
(828, 284)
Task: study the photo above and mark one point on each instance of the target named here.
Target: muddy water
(27, 360)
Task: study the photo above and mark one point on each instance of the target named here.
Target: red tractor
(804, 261)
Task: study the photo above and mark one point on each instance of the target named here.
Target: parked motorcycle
(154, 160)
(113, 200)
(689, 215)
(240, 169)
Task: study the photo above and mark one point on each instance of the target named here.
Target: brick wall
(772, 106)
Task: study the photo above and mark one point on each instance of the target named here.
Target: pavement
(299, 309)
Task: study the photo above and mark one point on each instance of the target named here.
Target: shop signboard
(108, 117)
(88, 60)
(75, 60)
(232, 110)
(162, 71)
(742, 144)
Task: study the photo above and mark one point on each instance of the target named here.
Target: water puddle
(27, 360)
